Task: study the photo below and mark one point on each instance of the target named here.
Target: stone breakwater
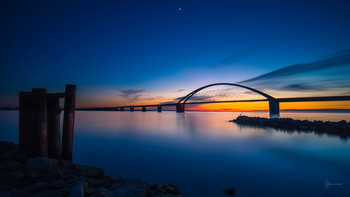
(341, 128)
(39, 176)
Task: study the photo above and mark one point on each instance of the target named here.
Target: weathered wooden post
(25, 123)
(53, 128)
(39, 123)
(68, 123)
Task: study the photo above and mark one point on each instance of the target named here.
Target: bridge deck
(295, 99)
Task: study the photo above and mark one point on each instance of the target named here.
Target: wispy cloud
(237, 56)
(181, 90)
(234, 58)
(330, 73)
(338, 59)
(131, 94)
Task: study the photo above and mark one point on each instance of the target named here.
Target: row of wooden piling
(39, 123)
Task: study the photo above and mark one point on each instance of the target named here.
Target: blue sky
(153, 49)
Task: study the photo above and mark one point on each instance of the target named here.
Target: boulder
(103, 192)
(171, 189)
(78, 189)
(12, 177)
(39, 186)
(5, 155)
(90, 191)
(41, 164)
(8, 166)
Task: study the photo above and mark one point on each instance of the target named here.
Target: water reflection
(203, 153)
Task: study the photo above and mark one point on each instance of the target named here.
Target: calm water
(203, 153)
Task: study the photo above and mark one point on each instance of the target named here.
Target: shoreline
(340, 128)
(39, 176)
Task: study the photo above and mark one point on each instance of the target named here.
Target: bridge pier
(180, 107)
(159, 108)
(131, 108)
(122, 109)
(274, 107)
(143, 109)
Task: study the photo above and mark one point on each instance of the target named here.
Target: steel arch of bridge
(273, 104)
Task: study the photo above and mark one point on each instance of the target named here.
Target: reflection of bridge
(273, 102)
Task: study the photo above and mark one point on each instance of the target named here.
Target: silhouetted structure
(39, 123)
(273, 102)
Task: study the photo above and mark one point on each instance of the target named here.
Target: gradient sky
(125, 52)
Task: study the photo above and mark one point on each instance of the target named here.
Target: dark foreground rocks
(39, 176)
(341, 128)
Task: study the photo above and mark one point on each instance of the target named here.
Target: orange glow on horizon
(264, 106)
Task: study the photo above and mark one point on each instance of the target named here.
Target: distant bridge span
(273, 102)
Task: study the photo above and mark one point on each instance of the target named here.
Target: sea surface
(203, 153)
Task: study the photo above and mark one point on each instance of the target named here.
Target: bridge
(205, 95)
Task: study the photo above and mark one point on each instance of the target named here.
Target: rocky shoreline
(341, 128)
(21, 176)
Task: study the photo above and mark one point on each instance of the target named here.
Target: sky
(131, 52)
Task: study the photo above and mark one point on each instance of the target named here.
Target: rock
(5, 155)
(90, 191)
(60, 184)
(67, 174)
(103, 192)
(41, 164)
(61, 192)
(50, 177)
(12, 177)
(20, 157)
(78, 189)
(342, 122)
(66, 164)
(129, 187)
(6, 146)
(31, 189)
(8, 166)
(95, 182)
(90, 171)
(314, 128)
(229, 191)
(171, 189)
(303, 127)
